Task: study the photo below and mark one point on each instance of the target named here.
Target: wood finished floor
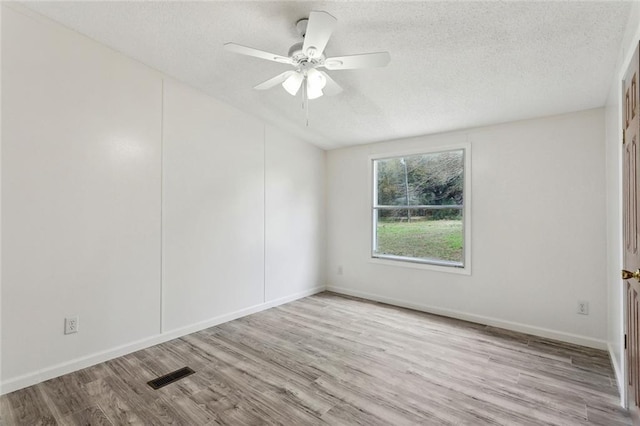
(329, 359)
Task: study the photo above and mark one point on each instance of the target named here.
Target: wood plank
(66, 394)
(93, 416)
(27, 407)
(114, 407)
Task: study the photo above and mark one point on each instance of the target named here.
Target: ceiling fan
(307, 58)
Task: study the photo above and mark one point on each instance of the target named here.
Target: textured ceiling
(453, 65)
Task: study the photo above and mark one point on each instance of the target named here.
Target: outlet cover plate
(71, 325)
(583, 308)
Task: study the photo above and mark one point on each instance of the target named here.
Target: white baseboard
(617, 369)
(39, 376)
(480, 319)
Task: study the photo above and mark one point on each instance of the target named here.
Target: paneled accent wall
(138, 204)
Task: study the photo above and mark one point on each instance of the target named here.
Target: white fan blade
(319, 29)
(250, 51)
(274, 81)
(331, 88)
(366, 60)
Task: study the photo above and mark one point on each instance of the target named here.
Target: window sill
(406, 263)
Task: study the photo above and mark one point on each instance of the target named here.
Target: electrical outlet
(583, 308)
(340, 270)
(71, 325)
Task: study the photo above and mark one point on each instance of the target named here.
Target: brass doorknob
(627, 275)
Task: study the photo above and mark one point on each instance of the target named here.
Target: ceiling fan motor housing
(302, 60)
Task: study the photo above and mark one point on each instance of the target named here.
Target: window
(418, 208)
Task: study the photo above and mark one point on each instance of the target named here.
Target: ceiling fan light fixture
(315, 80)
(313, 92)
(293, 83)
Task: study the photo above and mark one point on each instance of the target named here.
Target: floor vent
(170, 378)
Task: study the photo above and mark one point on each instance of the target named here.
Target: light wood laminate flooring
(330, 359)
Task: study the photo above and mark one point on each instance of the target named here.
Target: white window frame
(417, 263)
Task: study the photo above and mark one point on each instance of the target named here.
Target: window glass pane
(421, 233)
(427, 179)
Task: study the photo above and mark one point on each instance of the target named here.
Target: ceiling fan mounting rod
(301, 26)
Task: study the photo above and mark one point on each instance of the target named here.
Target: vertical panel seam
(161, 205)
(264, 213)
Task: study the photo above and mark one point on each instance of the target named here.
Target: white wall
(80, 196)
(295, 230)
(213, 208)
(538, 229)
(615, 330)
(144, 216)
(0, 204)
(613, 122)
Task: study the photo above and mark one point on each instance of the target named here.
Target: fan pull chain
(307, 111)
(304, 92)
(305, 100)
